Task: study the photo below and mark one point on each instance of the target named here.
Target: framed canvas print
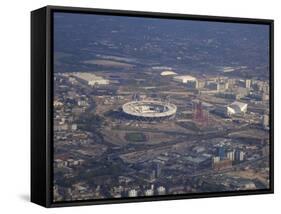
(138, 106)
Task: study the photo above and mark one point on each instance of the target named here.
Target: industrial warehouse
(90, 78)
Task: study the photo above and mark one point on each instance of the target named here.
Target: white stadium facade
(149, 110)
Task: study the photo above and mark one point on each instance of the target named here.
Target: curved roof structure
(185, 78)
(168, 73)
(237, 107)
(149, 109)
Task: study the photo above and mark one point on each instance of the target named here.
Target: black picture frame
(42, 96)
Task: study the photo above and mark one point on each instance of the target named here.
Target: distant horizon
(218, 38)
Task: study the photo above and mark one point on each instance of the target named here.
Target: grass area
(109, 63)
(135, 137)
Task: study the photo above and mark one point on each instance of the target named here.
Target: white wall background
(15, 105)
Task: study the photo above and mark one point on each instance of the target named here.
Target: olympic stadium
(149, 110)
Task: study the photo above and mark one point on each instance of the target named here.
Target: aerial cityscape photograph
(146, 107)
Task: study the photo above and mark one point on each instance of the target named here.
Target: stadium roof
(149, 109)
